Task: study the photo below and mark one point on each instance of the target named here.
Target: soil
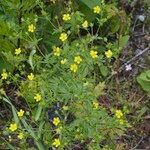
(139, 137)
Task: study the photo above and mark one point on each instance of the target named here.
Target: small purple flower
(128, 67)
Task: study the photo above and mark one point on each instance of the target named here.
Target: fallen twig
(134, 148)
(128, 62)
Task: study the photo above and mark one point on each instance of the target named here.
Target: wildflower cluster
(57, 65)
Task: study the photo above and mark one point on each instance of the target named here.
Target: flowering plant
(60, 55)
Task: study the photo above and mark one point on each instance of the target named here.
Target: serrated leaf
(104, 70)
(98, 90)
(123, 41)
(144, 80)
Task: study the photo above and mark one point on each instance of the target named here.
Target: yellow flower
(17, 51)
(63, 61)
(20, 113)
(56, 51)
(93, 54)
(56, 143)
(31, 76)
(85, 24)
(13, 127)
(66, 17)
(78, 59)
(37, 97)
(65, 108)
(4, 75)
(95, 105)
(73, 67)
(20, 136)
(31, 28)
(121, 121)
(97, 9)
(63, 37)
(118, 114)
(108, 54)
(56, 121)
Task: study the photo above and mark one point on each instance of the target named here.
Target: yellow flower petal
(108, 54)
(63, 37)
(38, 97)
(56, 121)
(13, 127)
(31, 76)
(4, 75)
(78, 59)
(93, 54)
(20, 113)
(73, 67)
(66, 17)
(20, 136)
(31, 28)
(17, 51)
(97, 9)
(56, 143)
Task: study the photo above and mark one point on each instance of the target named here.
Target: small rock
(141, 18)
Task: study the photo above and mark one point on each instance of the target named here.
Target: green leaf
(40, 129)
(38, 113)
(5, 65)
(10, 146)
(30, 60)
(90, 3)
(86, 7)
(98, 90)
(123, 41)
(104, 70)
(144, 80)
(115, 24)
(16, 119)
